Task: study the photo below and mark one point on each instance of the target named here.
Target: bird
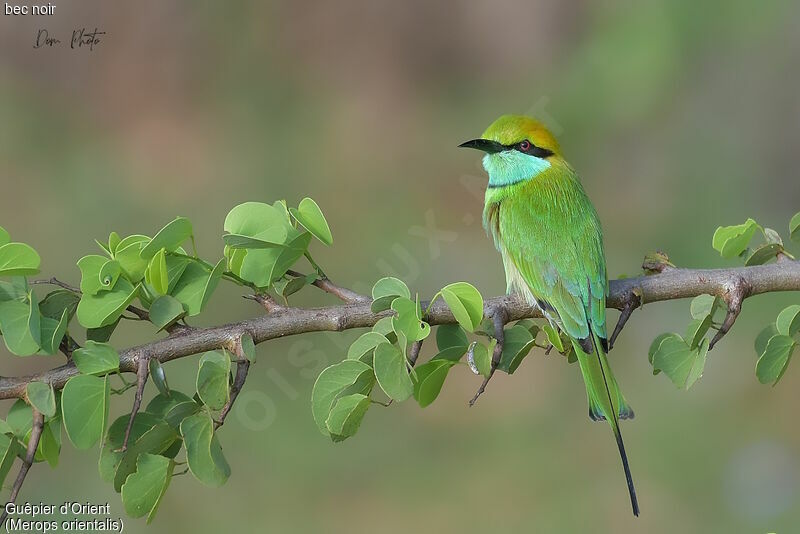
(550, 239)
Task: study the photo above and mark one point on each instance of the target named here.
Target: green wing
(554, 239)
(549, 232)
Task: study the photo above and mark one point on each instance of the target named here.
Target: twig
(242, 368)
(632, 302)
(735, 294)
(33, 443)
(266, 301)
(413, 352)
(141, 380)
(499, 320)
(346, 295)
(669, 285)
(55, 282)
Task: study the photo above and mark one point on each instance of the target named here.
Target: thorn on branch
(30, 455)
(242, 368)
(499, 317)
(735, 293)
(141, 379)
(632, 301)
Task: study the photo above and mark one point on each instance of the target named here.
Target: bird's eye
(525, 145)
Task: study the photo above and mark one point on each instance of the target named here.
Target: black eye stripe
(534, 150)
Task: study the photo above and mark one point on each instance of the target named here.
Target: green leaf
(103, 333)
(50, 441)
(255, 219)
(144, 489)
(212, 379)
(553, 337)
(15, 289)
(106, 307)
(703, 305)
(42, 397)
(451, 335)
(788, 322)
(289, 286)
(262, 267)
(696, 331)
(52, 332)
(249, 347)
(165, 311)
(362, 348)
(5, 238)
(157, 439)
(763, 338)
(90, 267)
(465, 302)
(429, 380)
(196, 286)
(453, 354)
(169, 237)
(18, 259)
(384, 327)
(731, 241)
(385, 291)
(773, 362)
(96, 358)
(109, 273)
(113, 242)
(310, 216)
(20, 418)
(679, 362)
(518, 343)
(408, 321)
(148, 434)
(127, 254)
(181, 411)
(156, 273)
(203, 451)
(84, 405)
(15, 324)
(763, 254)
(330, 383)
(772, 236)
(346, 416)
(391, 371)
(54, 304)
(794, 227)
(8, 452)
(274, 237)
(162, 403)
(176, 265)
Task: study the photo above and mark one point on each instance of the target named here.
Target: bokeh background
(680, 116)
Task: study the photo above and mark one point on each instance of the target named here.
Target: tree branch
(732, 285)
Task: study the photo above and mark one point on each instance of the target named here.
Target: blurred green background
(680, 116)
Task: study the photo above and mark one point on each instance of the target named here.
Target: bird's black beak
(485, 145)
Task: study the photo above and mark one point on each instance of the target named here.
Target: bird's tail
(606, 402)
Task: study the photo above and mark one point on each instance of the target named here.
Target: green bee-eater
(549, 236)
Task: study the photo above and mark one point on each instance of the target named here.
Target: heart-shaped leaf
(391, 371)
(465, 302)
(310, 216)
(775, 359)
(18, 259)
